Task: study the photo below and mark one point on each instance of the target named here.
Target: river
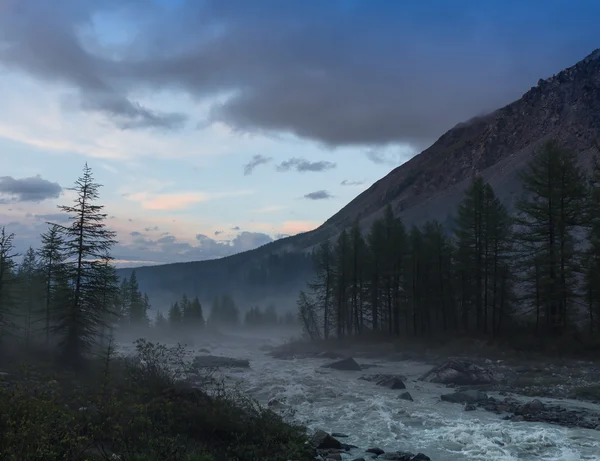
(371, 416)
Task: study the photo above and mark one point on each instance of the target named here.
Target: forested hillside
(497, 146)
(494, 274)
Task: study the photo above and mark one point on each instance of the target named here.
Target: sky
(216, 126)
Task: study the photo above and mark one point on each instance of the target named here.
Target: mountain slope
(565, 107)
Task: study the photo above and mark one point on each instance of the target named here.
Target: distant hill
(565, 107)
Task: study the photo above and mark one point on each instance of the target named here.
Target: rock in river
(348, 364)
(213, 361)
(465, 397)
(460, 372)
(389, 381)
(323, 441)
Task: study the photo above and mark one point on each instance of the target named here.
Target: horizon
(219, 127)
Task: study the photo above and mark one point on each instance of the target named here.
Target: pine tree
(138, 309)
(30, 289)
(108, 297)
(472, 246)
(7, 281)
(87, 249)
(376, 260)
(358, 248)
(175, 316)
(322, 286)
(592, 254)
(52, 266)
(548, 216)
(342, 264)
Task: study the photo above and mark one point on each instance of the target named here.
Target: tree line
(538, 265)
(67, 295)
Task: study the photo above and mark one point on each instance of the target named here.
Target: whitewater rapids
(372, 416)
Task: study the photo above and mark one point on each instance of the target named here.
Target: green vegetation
(135, 409)
(494, 275)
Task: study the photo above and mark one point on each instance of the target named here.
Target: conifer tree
(30, 289)
(52, 267)
(175, 316)
(87, 250)
(548, 215)
(592, 254)
(358, 248)
(7, 281)
(342, 264)
(323, 287)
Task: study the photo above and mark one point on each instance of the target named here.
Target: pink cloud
(178, 201)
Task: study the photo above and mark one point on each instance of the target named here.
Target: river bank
(535, 374)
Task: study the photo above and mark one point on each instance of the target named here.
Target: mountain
(565, 107)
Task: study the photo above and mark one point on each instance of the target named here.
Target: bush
(139, 409)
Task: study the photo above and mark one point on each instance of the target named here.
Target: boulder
(390, 381)
(459, 372)
(329, 355)
(470, 407)
(348, 364)
(406, 396)
(404, 456)
(385, 380)
(213, 361)
(471, 397)
(375, 451)
(321, 440)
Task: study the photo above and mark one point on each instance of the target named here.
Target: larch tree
(548, 216)
(87, 249)
(52, 266)
(7, 281)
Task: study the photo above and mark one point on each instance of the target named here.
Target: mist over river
(372, 416)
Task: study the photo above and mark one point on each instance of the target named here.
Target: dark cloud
(338, 72)
(301, 165)
(135, 234)
(318, 195)
(219, 232)
(346, 182)
(235, 228)
(151, 229)
(33, 189)
(256, 161)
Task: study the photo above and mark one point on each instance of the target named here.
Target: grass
(136, 409)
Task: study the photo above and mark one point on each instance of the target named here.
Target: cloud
(33, 189)
(171, 249)
(346, 182)
(53, 217)
(218, 232)
(235, 228)
(178, 201)
(135, 234)
(302, 165)
(331, 72)
(318, 195)
(256, 161)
